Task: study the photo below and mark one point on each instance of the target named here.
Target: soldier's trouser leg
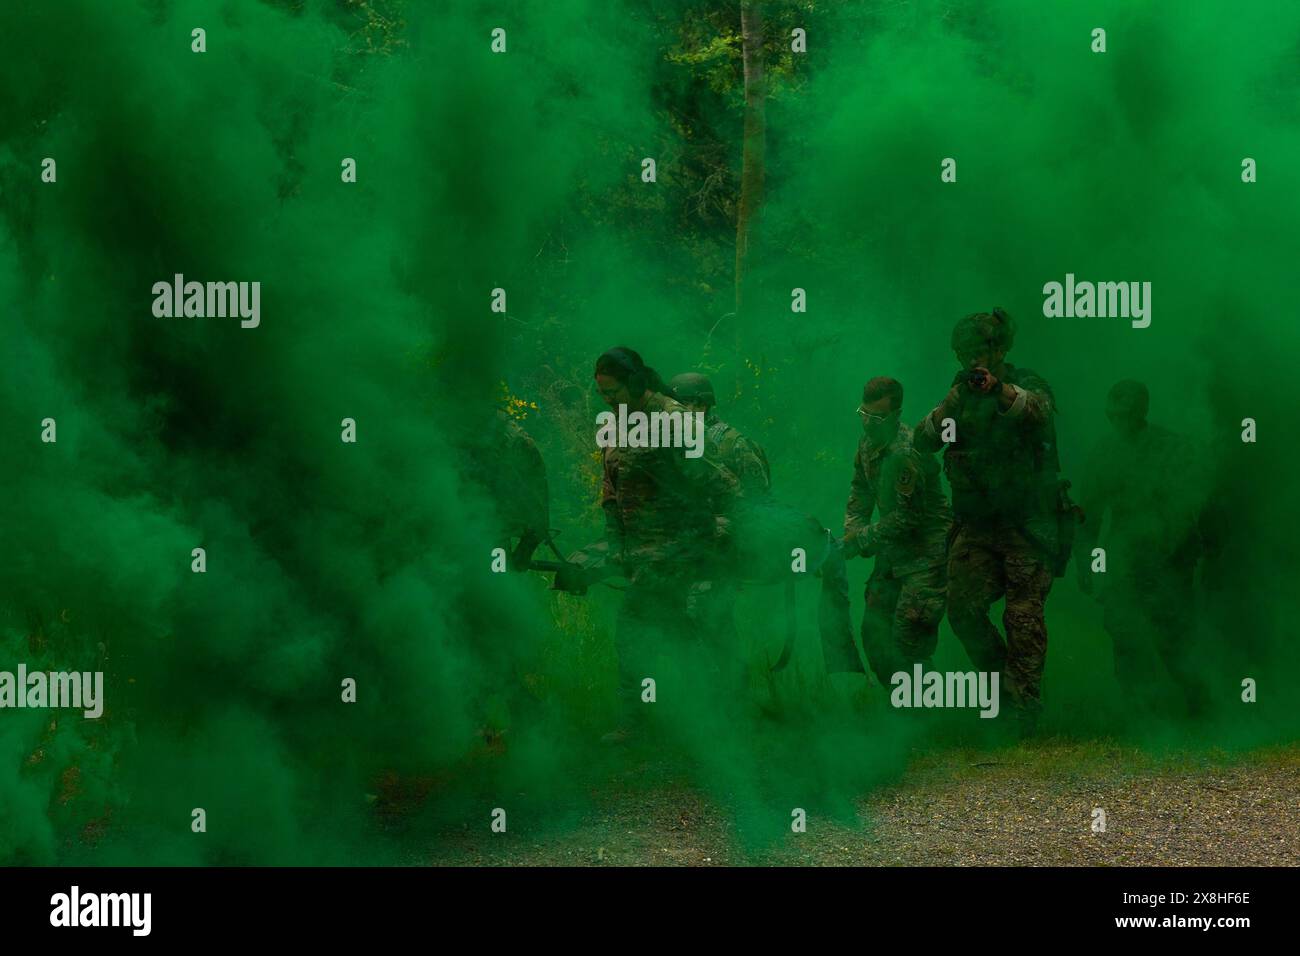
(834, 616)
(651, 620)
(1029, 580)
(921, 601)
(882, 595)
(975, 581)
(1175, 626)
(1150, 618)
(1132, 636)
(712, 609)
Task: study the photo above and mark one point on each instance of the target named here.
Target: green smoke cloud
(521, 171)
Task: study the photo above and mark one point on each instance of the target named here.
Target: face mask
(879, 428)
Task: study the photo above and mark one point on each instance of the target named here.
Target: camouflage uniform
(739, 455)
(905, 594)
(711, 601)
(1002, 469)
(760, 537)
(661, 528)
(1154, 486)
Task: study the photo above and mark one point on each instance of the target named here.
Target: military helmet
(692, 387)
(994, 328)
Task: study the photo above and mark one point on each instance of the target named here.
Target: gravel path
(1028, 806)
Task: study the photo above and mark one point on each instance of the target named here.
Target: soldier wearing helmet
(997, 428)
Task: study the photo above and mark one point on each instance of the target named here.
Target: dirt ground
(1030, 805)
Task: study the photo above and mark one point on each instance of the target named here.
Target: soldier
(724, 444)
(661, 526)
(711, 602)
(1001, 461)
(1152, 482)
(906, 592)
(757, 544)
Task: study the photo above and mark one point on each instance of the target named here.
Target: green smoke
(522, 171)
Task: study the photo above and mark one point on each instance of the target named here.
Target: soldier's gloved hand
(571, 578)
(849, 546)
(986, 382)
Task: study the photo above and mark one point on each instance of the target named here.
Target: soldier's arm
(862, 498)
(1030, 403)
(907, 479)
(750, 471)
(708, 479)
(926, 436)
(723, 488)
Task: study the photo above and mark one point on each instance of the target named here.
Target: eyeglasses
(868, 418)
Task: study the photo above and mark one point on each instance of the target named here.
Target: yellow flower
(513, 405)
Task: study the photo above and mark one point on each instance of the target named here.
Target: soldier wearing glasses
(907, 590)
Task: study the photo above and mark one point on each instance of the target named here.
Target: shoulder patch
(905, 481)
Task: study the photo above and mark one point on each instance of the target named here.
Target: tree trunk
(752, 162)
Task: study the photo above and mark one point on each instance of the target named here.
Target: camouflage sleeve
(908, 481)
(713, 483)
(1033, 403)
(709, 478)
(749, 468)
(720, 484)
(862, 497)
(925, 436)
